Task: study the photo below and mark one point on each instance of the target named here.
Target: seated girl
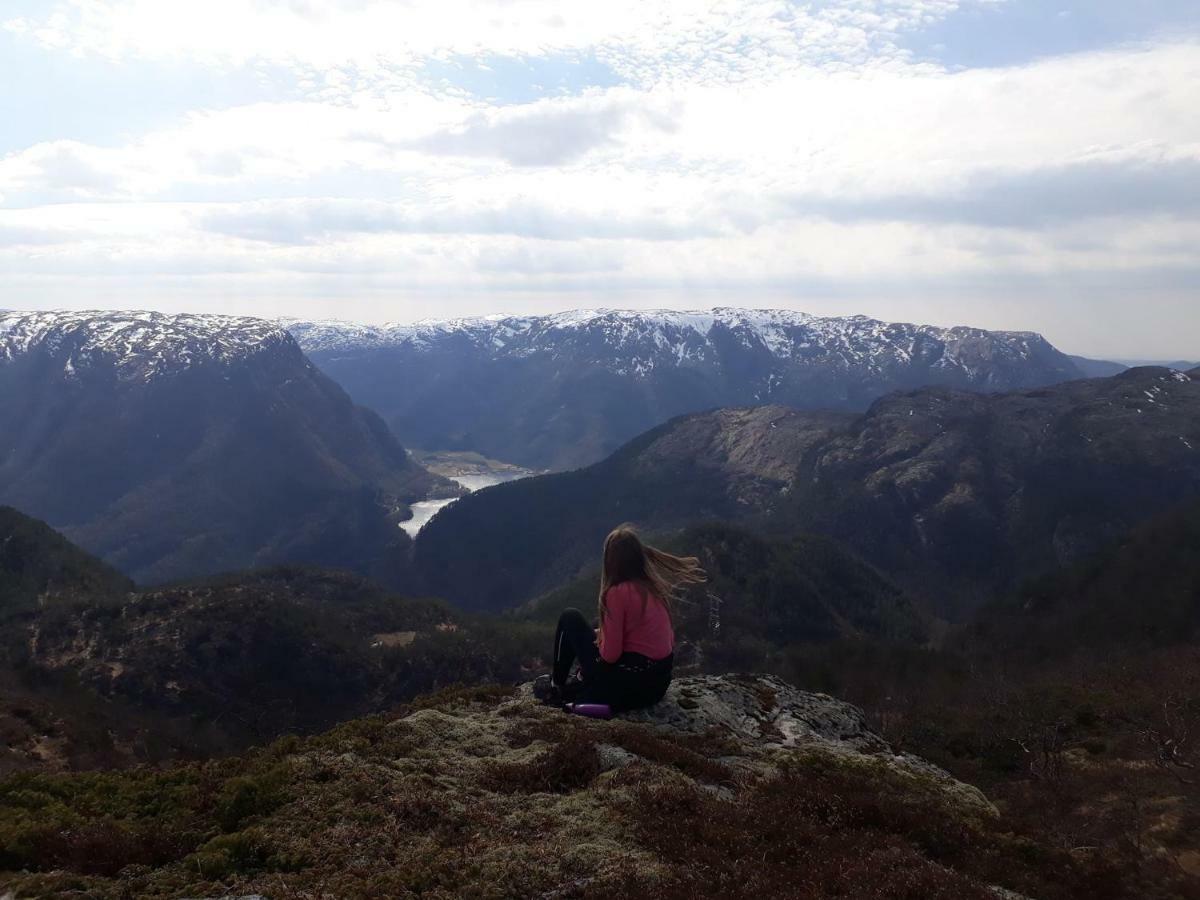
(626, 662)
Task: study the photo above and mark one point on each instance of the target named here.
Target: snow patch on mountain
(637, 342)
(136, 345)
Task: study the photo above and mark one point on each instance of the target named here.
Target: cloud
(731, 41)
(549, 132)
(732, 150)
(11, 236)
(1035, 198)
(310, 221)
(539, 259)
(60, 169)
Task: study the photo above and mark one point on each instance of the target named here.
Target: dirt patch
(393, 639)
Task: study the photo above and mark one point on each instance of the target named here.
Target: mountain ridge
(564, 390)
(952, 494)
(133, 344)
(39, 566)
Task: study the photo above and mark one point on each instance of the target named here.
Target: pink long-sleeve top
(635, 622)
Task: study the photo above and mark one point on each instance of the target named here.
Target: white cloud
(749, 149)
(549, 132)
(651, 42)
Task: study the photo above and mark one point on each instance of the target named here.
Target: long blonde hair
(662, 574)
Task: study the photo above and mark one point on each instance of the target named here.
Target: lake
(470, 470)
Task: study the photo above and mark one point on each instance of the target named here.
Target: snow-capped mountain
(177, 445)
(563, 390)
(634, 342)
(136, 345)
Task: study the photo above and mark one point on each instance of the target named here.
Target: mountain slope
(39, 566)
(1098, 368)
(565, 390)
(178, 445)
(962, 496)
(958, 496)
(511, 542)
(1143, 590)
(203, 668)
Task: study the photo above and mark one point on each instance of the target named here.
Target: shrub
(567, 766)
(248, 796)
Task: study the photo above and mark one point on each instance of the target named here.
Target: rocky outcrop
(764, 711)
(766, 717)
(733, 787)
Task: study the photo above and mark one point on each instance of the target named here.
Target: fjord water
(481, 474)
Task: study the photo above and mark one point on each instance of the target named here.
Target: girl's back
(635, 622)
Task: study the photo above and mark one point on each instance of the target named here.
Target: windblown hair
(661, 574)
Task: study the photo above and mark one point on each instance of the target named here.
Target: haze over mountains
(565, 390)
(178, 445)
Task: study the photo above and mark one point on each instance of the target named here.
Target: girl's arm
(612, 628)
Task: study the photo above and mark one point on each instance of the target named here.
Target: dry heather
(732, 788)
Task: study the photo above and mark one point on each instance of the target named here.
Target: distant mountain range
(565, 390)
(176, 445)
(1103, 368)
(957, 496)
(1181, 365)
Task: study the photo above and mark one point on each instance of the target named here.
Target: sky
(1018, 164)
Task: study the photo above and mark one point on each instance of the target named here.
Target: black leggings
(632, 681)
